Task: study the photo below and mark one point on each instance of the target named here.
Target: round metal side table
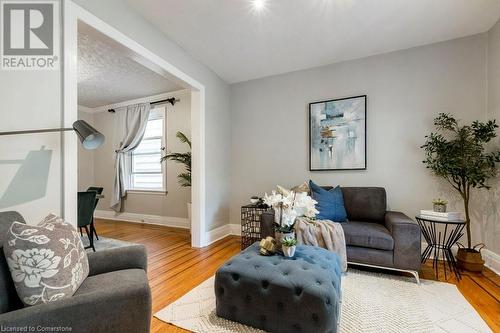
(440, 236)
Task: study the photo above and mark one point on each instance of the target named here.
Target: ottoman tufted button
(296, 326)
(248, 298)
(265, 284)
(256, 266)
(285, 273)
(298, 291)
(315, 317)
(235, 276)
(318, 282)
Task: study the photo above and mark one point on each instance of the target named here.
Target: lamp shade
(89, 136)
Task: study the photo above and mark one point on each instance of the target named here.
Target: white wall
(217, 133)
(26, 103)
(172, 204)
(85, 157)
(490, 219)
(406, 90)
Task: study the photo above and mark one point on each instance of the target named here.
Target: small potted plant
(288, 246)
(439, 205)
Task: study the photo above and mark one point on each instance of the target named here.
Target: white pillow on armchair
(47, 262)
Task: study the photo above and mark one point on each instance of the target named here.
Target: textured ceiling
(240, 43)
(106, 75)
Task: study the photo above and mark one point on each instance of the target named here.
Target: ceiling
(106, 75)
(240, 43)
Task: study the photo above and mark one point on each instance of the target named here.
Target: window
(146, 171)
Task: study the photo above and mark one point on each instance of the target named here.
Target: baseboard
(235, 229)
(223, 231)
(491, 259)
(168, 221)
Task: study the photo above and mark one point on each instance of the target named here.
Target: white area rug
(104, 243)
(371, 302)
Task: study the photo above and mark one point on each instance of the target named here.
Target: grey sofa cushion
(368, 234)
(118, 301)
(369, 256)
(365, 203)
(9, 300)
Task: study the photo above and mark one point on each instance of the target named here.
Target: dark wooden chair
(86, 204)
(98, 190)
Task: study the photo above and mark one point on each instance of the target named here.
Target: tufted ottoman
(279, 294)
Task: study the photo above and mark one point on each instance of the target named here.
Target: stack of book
(448, 216)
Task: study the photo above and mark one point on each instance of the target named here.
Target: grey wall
(490, 219)
(172, 204)
(406, 90)
(218, 120)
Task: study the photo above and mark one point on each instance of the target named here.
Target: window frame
(163, 172)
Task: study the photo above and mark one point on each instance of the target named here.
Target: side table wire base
(250, 224)
(439, 243)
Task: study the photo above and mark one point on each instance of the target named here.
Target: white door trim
(74, 13)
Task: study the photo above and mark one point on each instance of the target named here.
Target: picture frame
(337, 134)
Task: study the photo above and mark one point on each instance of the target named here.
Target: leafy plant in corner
(458, 154)
(183, 158)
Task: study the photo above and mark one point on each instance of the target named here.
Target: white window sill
(150, 192)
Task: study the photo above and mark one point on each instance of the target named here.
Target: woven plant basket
(470, 259)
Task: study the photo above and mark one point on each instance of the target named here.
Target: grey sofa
(374, 236)
(115, 297)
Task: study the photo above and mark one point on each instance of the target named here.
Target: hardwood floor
(174, 268)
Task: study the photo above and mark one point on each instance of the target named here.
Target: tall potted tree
(183, 178)
(458, 154)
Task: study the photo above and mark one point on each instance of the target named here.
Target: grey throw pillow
(47, 262)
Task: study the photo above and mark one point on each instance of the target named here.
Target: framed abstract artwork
(337, 134)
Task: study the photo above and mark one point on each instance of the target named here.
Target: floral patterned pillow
(47, 262)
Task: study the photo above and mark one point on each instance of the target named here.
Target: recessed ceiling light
(259, 4)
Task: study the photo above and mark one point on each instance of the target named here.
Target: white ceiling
(240, 44)
(106, 75)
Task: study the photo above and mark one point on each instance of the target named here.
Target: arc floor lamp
(89, 136)
(90, 139)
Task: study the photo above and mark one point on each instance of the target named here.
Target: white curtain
(132, 121)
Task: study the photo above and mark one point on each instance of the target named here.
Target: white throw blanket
(322, 233)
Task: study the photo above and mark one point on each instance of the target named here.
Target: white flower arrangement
(287, 207)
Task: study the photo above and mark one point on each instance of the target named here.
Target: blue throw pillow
(330, 203)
